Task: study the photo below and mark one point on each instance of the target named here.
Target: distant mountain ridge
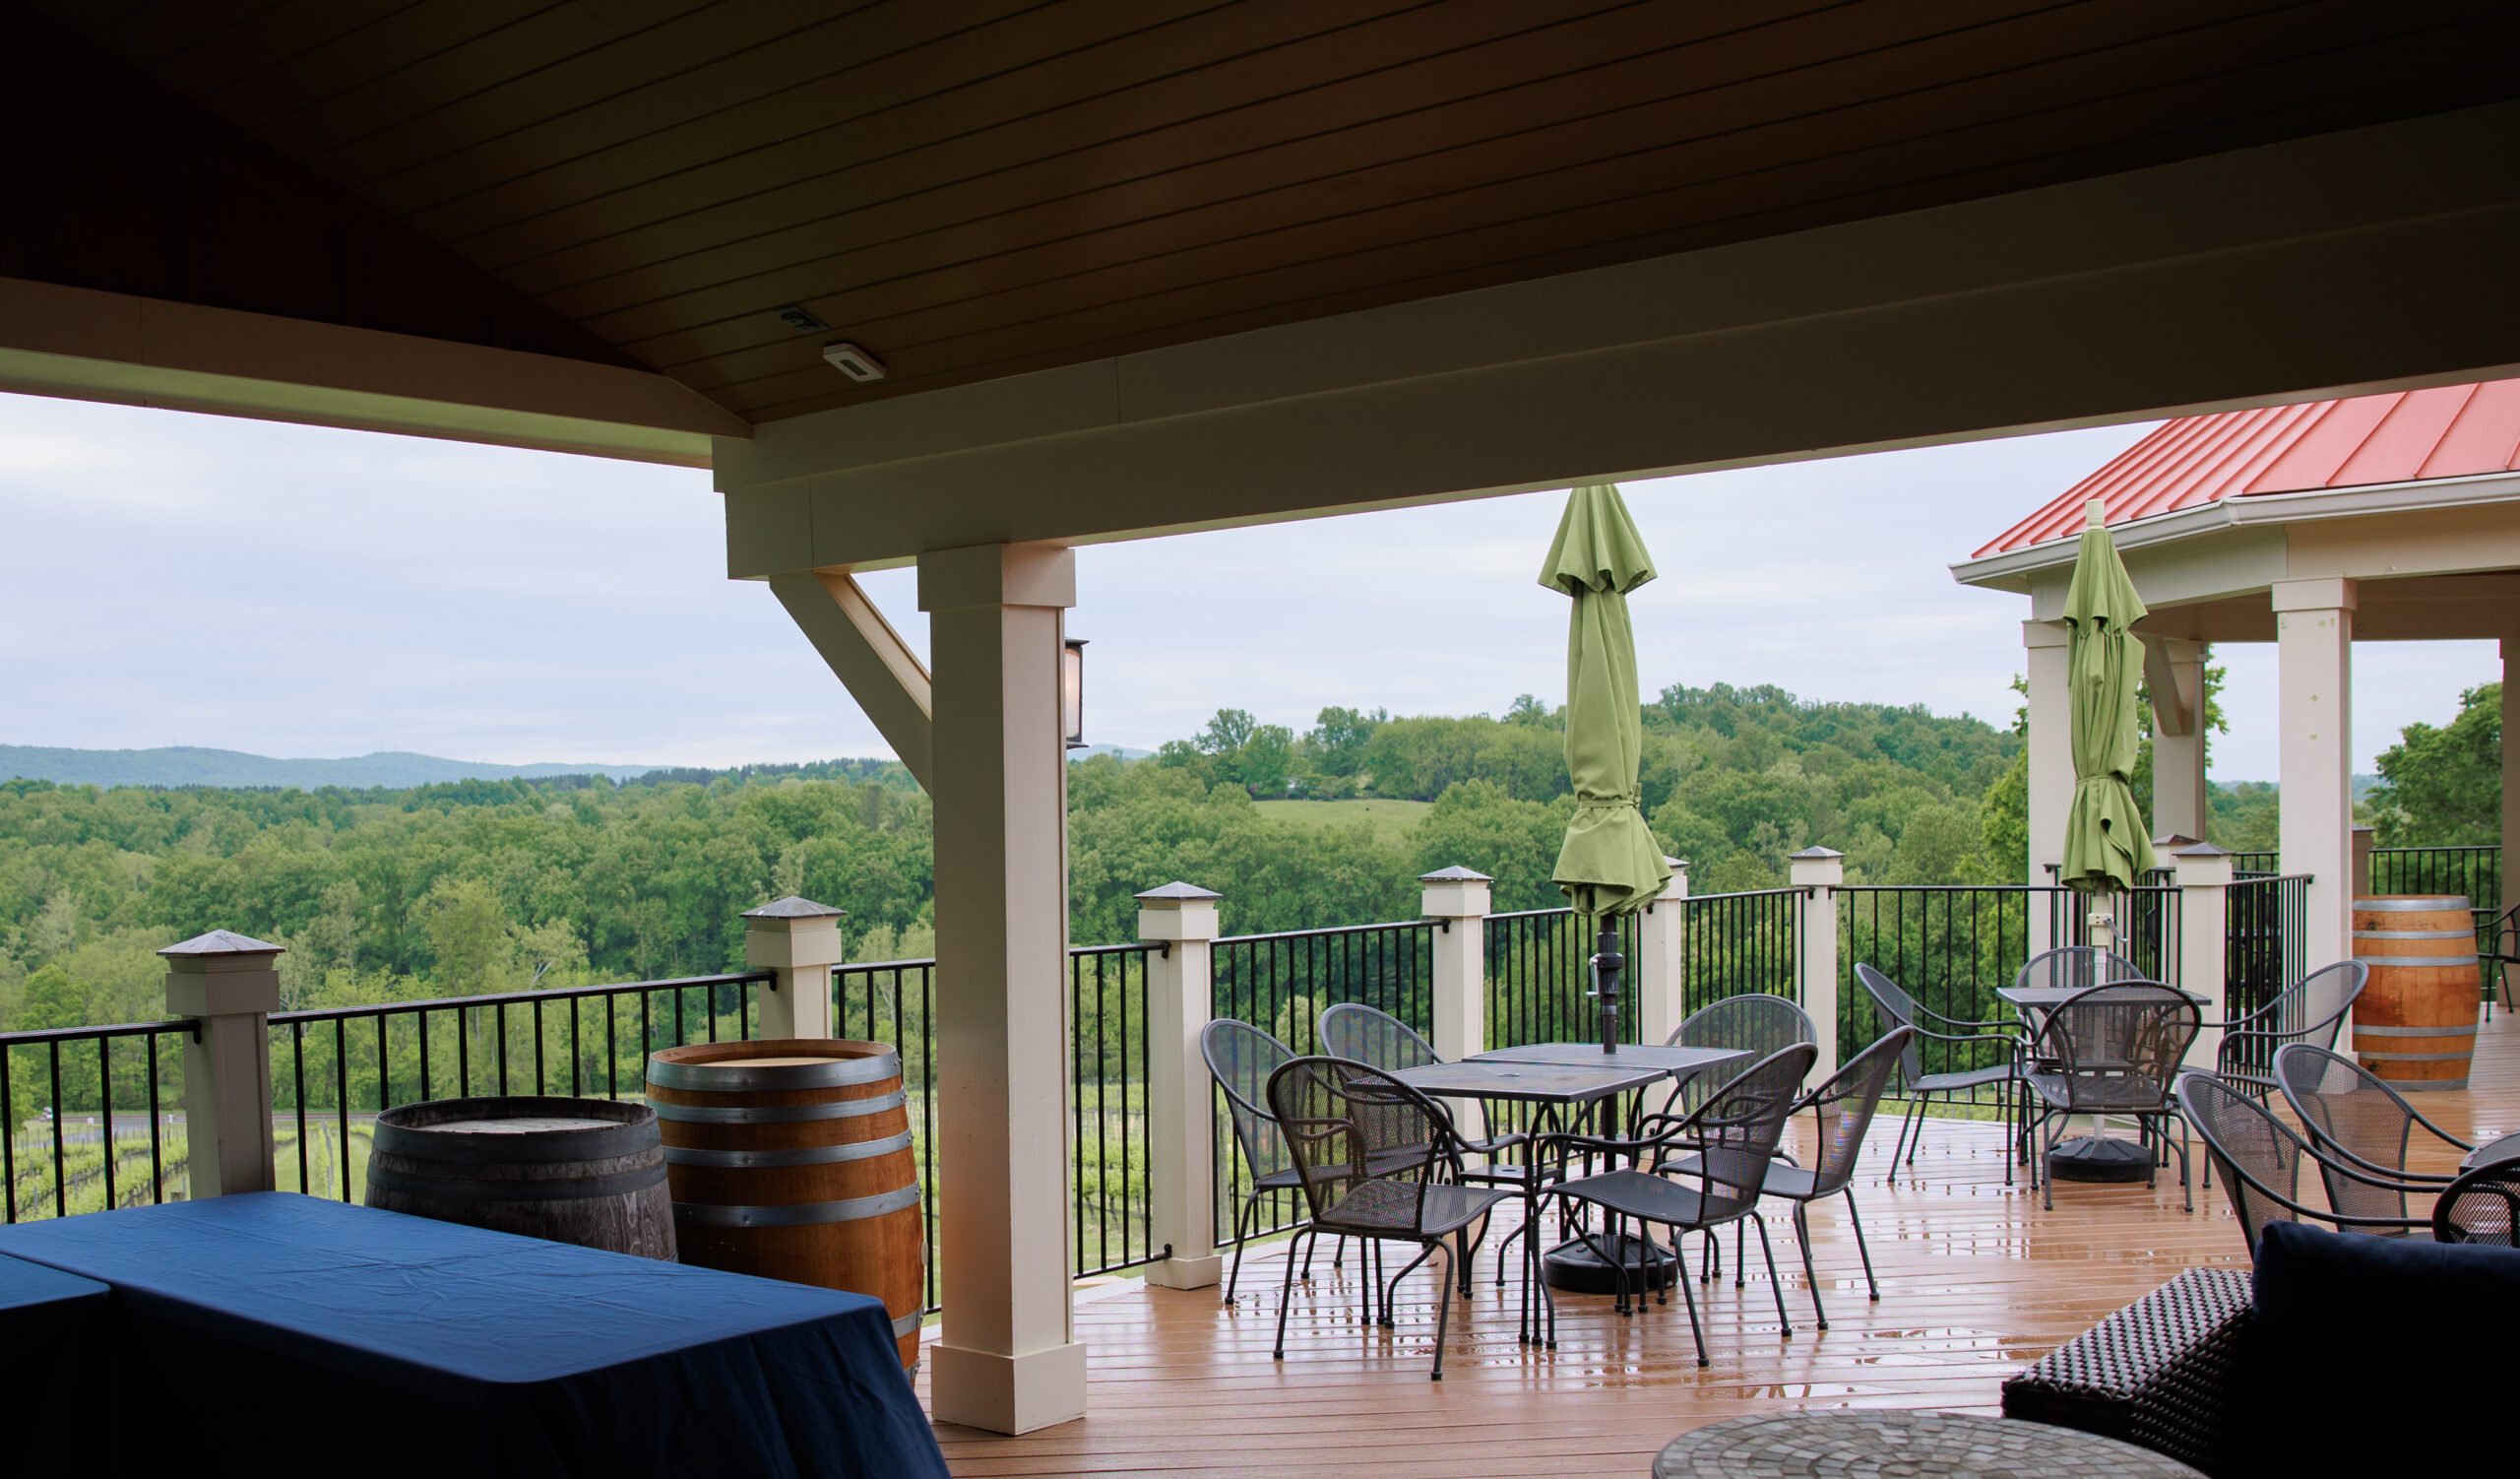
(195, 766)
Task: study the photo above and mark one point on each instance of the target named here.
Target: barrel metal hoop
(2431, 903)
(2426, 1085)
(906, 1325)
(528, 1148)
(2360, 1031)
(2462, 1056)
(779, 1114)
(830, 1074)
(797, 1215)
(545, 1188)
(2468, 933)
(2420, 962)
(805, 1155)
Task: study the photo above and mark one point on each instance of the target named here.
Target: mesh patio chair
(1729, 1142)
(2502, 953)
(2076, 968)
(1242, 1057)
(1371, 1154)
(1758, 1023)
(2481, 1205)
(2311, 1011)
(2260, 1160)
(2355, 1118)
(2112, 1050)
(1926, 1025)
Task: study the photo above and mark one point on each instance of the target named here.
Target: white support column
(797, 941)
(2364, 837)
(2051, 763)
(1181, 1119)
(2314, 667)
(2174, 675)
(1458, 899)
(1009, 1361)
(2511, 895)
(1661, 994)
(2204, 876)
(228, 985)
(1823, 871)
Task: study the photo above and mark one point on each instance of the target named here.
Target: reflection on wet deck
(1976, 1281)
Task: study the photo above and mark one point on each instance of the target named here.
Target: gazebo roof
(2403, 436)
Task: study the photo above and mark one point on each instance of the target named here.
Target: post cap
(2171, 841)
(1811, 853)
(794, 908)
(1177, 891)
(1455, 874)
(220, 942)
(2200, 850)
(1677, 864)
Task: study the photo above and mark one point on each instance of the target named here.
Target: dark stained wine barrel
(585, 1171)
(2415, 1023)
(791, 1159)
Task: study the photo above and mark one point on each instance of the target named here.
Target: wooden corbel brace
(870, 658)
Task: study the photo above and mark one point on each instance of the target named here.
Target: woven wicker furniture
(2158, 1372)
(1857, 1444)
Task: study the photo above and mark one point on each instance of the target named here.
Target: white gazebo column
(2174, 675)
(2510, 781)
(1181, 1118)
(1009, 1361)
(2314, 670)
(2051, 762)
(1661, 994)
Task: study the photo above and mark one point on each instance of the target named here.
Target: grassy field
(1393, 820)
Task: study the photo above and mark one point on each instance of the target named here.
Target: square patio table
(2045, 999)
(403, 1346)
(1682, 1063)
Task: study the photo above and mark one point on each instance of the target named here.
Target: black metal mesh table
(1857, 1444)
(2493, 1152)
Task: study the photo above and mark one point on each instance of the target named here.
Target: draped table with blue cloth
(53, 1377)
(275, 1333)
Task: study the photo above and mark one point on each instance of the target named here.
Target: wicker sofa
(2339, 1354)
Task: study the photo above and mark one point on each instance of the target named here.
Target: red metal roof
(2403, 436)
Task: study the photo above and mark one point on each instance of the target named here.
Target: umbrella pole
(1608, 963)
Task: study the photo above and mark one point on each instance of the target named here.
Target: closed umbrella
(1610, 865)
(2105, 850)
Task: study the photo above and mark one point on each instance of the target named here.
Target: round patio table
(2493, 1152)
(1860, 1445)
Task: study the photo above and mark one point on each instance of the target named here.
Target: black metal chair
(2110, 1050)
(2481, 1205)
(2260, 1159)
(1729, 1142)
(1372, 1156)
(1841, 1110)
(2076, 968)
(1758, 1023)
(1926, 1025)
(2502, 952)
(1242, 1057)
(2310, 1012)
(2355, 1116)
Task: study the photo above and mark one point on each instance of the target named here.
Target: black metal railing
(2255, 862)
(1115, 1209)
(334, 1068)
(2474, 871)
(895, 1002)
(2265, 941)
(94, 1119)
(1539, 978)
(1736, 943)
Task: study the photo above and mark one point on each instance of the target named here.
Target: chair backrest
(2259, 1159)
(1844, 1107)
(1754, 1022)
(2344, 1106)
(1364, 1145)
(1373, 1037)
(2482, 1206)
(1892, 1001)
(2118, 1047)
(1243, 1058)
(2076, 967)
(1738, 1126)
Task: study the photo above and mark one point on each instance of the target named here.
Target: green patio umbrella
(1611, 864)
(2106, 848)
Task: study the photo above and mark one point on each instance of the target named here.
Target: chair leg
(1443, 1307)
(1235, 1280)
(1917, 1138)
(2048, 1182)
(1708, 1259)
(1688, 1296)
(1811, 1275)
(1285, 1297)
(2186, 1195)
(1740, 1265)
(1857, 1223)
(2004, 1103)
(1774, 1283)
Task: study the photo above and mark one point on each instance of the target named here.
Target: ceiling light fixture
(854, 363)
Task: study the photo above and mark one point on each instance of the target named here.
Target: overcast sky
(173, 579)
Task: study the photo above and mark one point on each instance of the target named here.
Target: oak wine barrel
(2416, 1022)
(585, 1171)
(791, 1159)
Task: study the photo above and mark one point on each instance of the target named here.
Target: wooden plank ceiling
(974, 188)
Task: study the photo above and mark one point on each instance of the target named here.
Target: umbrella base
(2097, 1158)
(1574, 1267)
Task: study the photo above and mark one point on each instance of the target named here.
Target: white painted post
(1661, 994)
(2051, 764)
(2203, 872)
(1181, 1141)
(1823, 871)
(797, 941)
(228, 985)
(1009, 1361)
(2506, 894)
(2314, 669)
(2176, 670)
(1458, 899)
(2362, 838)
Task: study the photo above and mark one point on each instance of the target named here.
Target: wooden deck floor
(1976, 1280)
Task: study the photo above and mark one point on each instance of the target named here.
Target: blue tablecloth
(317, 1337)
(53, 1375)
